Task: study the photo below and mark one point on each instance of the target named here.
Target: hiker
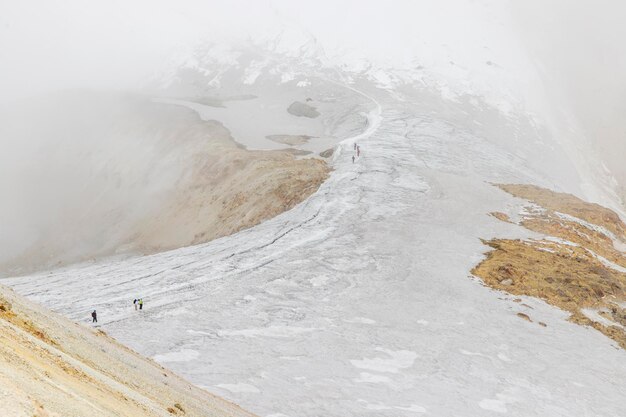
(94, 317)
(355, 146)
(358, 151)
(353, 159)
(135, 303)
(141, 304)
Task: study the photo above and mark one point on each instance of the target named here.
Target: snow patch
(400, 359)
(468, 353)
(412, 183)
(503, 357)
(361, 320)
(594, 315)
(413, 408)
(272, 331)
(239, 387)
(183, 355)
(607, 263)
(319, 281)
(379, 406)
(497, 406)
(371, 378)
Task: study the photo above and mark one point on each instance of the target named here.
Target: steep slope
(51, 367)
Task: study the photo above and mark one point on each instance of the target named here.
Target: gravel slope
(51, 367)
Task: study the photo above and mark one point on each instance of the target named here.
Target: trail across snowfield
(374, 118)
(358, 302)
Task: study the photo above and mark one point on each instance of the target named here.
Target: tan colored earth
(51, 367)
(580, 272)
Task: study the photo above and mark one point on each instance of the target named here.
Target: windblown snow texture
(358, 301)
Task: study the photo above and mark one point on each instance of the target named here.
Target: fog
(116, 44)
(564, 61)
(578, 47)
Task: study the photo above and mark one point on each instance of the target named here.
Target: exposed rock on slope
(300, 109)
(576, 267)
(51, 367)
(570, 205)
(226, 191)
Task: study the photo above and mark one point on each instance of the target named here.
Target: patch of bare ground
(501, 216)
(236, 193)
(7, 313)
(569, 204)
(567, 272)
(327, 153)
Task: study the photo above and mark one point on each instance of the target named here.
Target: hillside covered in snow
(455, 248)
(52, 367)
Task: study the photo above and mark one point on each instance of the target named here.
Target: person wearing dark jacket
(94, 316)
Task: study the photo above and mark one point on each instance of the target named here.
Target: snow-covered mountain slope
(52, 367)
(359, 301)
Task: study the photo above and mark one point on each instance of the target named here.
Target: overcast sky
(574, 46)
(50, 44)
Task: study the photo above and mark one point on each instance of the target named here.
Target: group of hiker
(357, 152)
(137, 302)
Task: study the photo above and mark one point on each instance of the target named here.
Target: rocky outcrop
(300, 109)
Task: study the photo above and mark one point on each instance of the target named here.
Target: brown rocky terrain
(228, 190)
(576, 266)
(51, 367)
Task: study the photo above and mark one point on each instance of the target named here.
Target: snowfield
(358, 302)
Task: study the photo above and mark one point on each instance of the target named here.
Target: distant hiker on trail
(141, 304)
(353, 159)
(358, 151)
(94, 317)
(135, 303)
(355, 146)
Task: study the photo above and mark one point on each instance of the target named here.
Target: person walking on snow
(355, 146)
(135, 303)
(353, 159)
(94, 317)
(141, 304)
(358, 151)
